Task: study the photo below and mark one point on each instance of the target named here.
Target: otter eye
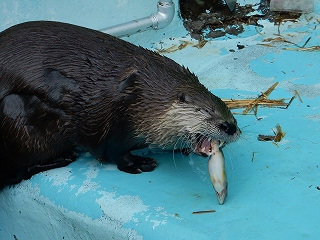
(182, 97)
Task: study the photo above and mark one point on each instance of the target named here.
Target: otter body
(64, 87)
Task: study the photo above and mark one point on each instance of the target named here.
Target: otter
(64, 87)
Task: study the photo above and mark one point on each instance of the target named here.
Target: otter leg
(56, 163)
(12, 173)
(31, 138)
(137, 164)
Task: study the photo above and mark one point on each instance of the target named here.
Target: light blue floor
(272, 195)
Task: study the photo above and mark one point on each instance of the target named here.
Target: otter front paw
(138, 164)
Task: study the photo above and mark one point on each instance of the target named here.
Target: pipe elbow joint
(164, 15)
(156, 21)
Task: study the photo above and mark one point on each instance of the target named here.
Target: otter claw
(138, 164)
(148, 168)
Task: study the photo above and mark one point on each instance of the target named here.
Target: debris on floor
(213, 18)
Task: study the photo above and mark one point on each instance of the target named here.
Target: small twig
(306, 42)
(298, 95)
(205, 211)
(289, 103)
(253, 154)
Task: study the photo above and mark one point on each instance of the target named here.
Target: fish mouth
(204, 147)
(222, 195)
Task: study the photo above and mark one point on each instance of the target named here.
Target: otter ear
(128, 81)
(183, 98)
(126, 89)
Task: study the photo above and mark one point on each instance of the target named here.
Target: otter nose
(228, 128)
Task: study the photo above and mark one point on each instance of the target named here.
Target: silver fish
(217, 171)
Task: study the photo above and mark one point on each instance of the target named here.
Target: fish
(217, 172)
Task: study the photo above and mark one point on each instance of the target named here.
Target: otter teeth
(210, 149)
(208, 146)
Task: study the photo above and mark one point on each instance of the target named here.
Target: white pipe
(159, 20)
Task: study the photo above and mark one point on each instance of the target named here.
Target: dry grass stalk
(251, 105)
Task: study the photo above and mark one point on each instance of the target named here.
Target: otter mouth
(204, 146)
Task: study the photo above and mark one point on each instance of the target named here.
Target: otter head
(203, 118)
(197, 119)
(187, 117)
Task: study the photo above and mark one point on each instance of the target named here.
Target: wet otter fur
(64, 87)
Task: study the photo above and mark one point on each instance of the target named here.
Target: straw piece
(279, 134)
(262, 97)
(250, 105)
(244, 103)
(304, 49)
